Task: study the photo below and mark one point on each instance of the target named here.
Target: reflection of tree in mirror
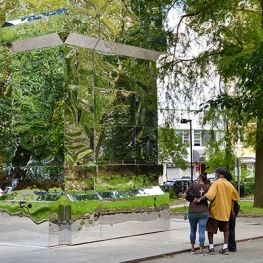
(38, 105)
(78, 104)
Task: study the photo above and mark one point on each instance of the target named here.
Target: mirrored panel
(86, 218)
(38, 109)
(47, 178)
(79, 132)
(145, 211)
(5, 73)
(6, 143)
(79, 66)
(83, 145)
(145, 85)
(79, 121)
(38, 118)
(80, 178)
(117, 145)
(24, 219)
(146, 145)
(113, 72)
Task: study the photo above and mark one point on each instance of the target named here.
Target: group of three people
(221, 195)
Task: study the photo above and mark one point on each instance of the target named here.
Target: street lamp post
(191, 147)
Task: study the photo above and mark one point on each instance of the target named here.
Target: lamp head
(184, 120)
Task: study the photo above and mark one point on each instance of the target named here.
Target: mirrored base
(27, 218)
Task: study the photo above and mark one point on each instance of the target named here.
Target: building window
(200, 137)
(186, 137)
(208, 136)
(197, 138)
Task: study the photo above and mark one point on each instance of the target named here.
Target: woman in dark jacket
(198, 212)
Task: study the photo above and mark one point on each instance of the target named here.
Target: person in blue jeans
(198, 213)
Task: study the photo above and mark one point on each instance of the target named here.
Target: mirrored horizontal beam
(84, 42)
(112, 47)
(35, 43)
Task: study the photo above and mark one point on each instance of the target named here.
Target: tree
(248, 104)
(217, 157)
(227, 37)
(171, 148)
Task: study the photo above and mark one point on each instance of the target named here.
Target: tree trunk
(258, 197)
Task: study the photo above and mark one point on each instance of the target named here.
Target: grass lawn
(246, 209)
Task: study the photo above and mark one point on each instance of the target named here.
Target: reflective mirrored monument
(78, 105)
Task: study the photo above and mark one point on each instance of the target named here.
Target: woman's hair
(224, 172)
(203, 176)
(228, 176)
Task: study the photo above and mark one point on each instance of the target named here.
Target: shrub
(172, 194)
(249, 188)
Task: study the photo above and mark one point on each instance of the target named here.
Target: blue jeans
(200, 220)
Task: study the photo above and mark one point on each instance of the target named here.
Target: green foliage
(172, 194)
(231, 50)
(3, 197)
(230, 37)
(217, 156)
(171, 148)
(246, 176)
(249, 188)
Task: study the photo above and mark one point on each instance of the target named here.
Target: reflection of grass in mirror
(246, 208)
(80, 208)
(135, 203)
(38, 211)
(118, 206)
(41, 211)
(11, 207)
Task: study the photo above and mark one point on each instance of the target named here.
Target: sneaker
(201, 254)
(224, 251)
(193, 252)
(211, 251)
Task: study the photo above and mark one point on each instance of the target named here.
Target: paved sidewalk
(156, 246)
(248, 251)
